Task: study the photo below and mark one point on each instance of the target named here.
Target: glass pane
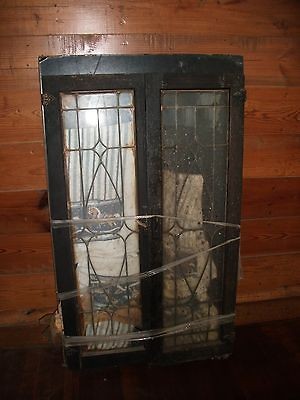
(125, 99)
(99, 137)
(68, 101)
(195, 98)
(194, 159)
(97, 100)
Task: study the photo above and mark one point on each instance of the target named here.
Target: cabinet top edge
(143, 64)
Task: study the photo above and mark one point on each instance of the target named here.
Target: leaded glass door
(140, 165)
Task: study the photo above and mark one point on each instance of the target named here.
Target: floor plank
(265, 365)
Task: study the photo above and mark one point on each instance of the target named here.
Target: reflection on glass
(194, 158)
(99, 140)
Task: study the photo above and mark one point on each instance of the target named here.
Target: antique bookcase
(144, 157)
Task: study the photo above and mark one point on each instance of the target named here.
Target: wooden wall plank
(275, 235)
(268, 60)
(28, 316)
(272, 110)
(26, 291)
(272, 310)
(20, 116)
(20, 106)
(23, 336)
(270, 197)
(16, 79)
(22, 166)
(271, 156)
(24, 212)
(229, 4)
(274, 18)
(268, 277)
(25, 254)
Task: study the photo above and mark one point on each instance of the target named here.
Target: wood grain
(29, 316)
(15, 80)
(27, 291)
(268, 60)
(274, 235)
(275, 18)
(269, 277)
(270, 197)
(271, 156)
(20, 115)
(22, 166)
(23, 336)
(272, 110)
(25, 254)
(24, 212)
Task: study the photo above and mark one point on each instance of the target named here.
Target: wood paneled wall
(265, 32)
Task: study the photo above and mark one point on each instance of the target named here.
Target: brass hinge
(47, 99)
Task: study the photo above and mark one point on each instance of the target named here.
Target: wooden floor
(265, 365)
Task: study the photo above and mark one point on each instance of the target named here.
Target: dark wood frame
(147, 75)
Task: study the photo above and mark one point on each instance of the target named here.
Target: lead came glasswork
(144, 156)
(194, 157)
(99, 143)
(100, 170)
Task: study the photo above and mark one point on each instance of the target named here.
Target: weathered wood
(25, 254)
(272, 110)
(269, 277)
(268, 60)
(24, 212)
(22, 166)
(27, 291)
(275, 235)
(270, 197)
(271, 156)
(261, 311)
(274, 18)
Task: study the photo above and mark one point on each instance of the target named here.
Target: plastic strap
(136, 278)
(57, 223)
(147, 335)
